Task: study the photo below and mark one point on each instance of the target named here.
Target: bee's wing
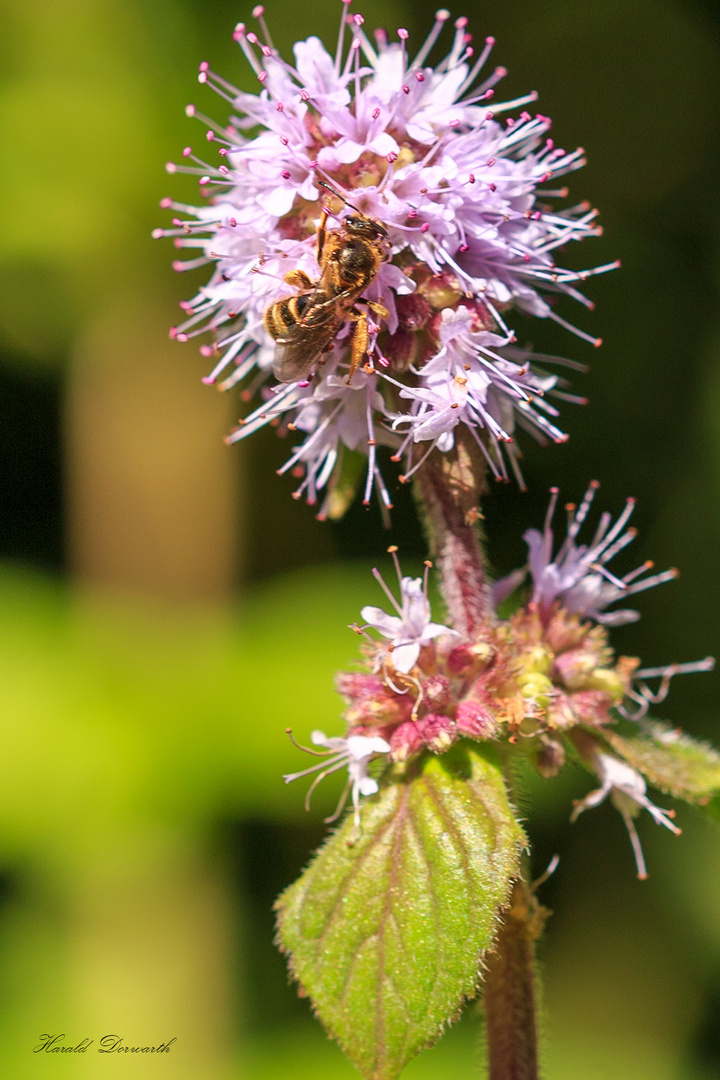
(301, 347)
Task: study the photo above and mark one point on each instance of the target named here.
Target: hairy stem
(510, 998)
(448, 489)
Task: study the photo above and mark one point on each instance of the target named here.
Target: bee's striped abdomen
(282, 316)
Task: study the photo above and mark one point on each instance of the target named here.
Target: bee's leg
(377, 309)
(321, 233)
(361, 335)
(336, 299)
(298, 279)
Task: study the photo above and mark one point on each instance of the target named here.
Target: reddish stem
(448, 489)
(510, 1000)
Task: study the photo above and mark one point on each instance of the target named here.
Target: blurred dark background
(167, 608)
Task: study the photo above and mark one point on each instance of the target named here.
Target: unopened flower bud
(564, 632)
(466, 658)
(474, 719)
(370, 702)
(442, 291)
(437, 691)
(560, 712)
(590, 706)
(575, 666)
(413, 311)
(403, 347)
(538, 658)
(353, 684)
(609, 681)
(438, 732)
(406, 741)
(536, 687)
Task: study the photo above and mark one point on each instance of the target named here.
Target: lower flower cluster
(523, 680)
(544, 680)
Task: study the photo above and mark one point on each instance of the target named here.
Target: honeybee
(305, 325)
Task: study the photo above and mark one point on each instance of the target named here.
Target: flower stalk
(448, 489)
(509, 990)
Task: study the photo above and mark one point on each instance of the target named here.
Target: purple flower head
(577, 575)
(463, 187)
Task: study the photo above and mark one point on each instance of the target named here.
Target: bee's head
(365, 227)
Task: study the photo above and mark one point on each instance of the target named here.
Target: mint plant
(420, 898)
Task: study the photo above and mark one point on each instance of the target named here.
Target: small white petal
(362, 746)
(404, 657)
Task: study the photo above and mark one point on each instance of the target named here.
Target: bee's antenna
(339, 195)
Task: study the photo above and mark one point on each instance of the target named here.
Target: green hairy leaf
(672, 761)
(385, 930)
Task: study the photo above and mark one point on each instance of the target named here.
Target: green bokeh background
(144, 830)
